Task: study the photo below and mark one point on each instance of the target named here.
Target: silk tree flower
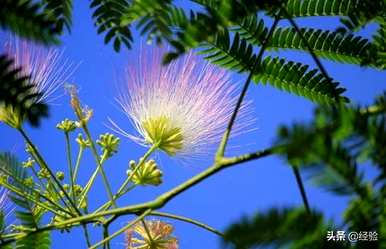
(154, 235)
(182, 108)
(48, 69)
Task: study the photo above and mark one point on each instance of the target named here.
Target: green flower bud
(147, 174)
(3, 179)
(66, 125)
(109, 144)
(29, 163)
(29, 149)
(66, 187)
(83, 142)
(78, 189)
(43, 174)
(60, 175)
(29, 182)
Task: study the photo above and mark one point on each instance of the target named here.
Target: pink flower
(182, 108)
(48, 69)
(153, 234)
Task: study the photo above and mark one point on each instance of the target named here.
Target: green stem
(301, 188)
(45, 166)
(99, 164)
(28, 197)
(106, 245)
(107, 205)
(152, 205)
(35, 191)
(90, 182)
(221, 149)
(86, 235)
(123, 229)
(121, 189)
(188, 220)
(77, 165)
(69, 158)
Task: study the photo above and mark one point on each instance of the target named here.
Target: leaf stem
(188, 220)
(99, 164)
(77, 164)
(86, 235)
(301, 188)
(70, 168)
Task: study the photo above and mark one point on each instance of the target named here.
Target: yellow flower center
(162, 133)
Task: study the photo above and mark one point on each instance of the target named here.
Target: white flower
(182, 108)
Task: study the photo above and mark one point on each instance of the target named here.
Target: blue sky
(219, 200)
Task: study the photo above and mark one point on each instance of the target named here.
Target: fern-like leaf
(40, 240)
(16, 92)
(61, 10)
(286, 75)
(303, 8)
(296, 78)
(277, 228)
(107, 17)
(27, 19)
(29, 215)
(236, 55)
(335, 46)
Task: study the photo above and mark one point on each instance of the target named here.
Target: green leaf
(285, 75)
(338, 139)
(107, 16)
(331, 45)
(16, 92)
(26, 18)
(289, 227)
(298, 79)
(303, 8)
(29, 215)
(61, 10)
(40, 240)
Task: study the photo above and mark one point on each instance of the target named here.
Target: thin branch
(99, 165)
(77, 164)
(310, 49)
(153, 205)
(71, 169)
(44, 165)
(301, 188)
(221, 150)
(188, 220)
(86, 235)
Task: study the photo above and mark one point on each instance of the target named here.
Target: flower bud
(43, 174)
(29, 182)
(109, 144)
(147, 174)
(60, 175)
(66, 125)
(77, 190)
(29, 163)
(82, 142)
